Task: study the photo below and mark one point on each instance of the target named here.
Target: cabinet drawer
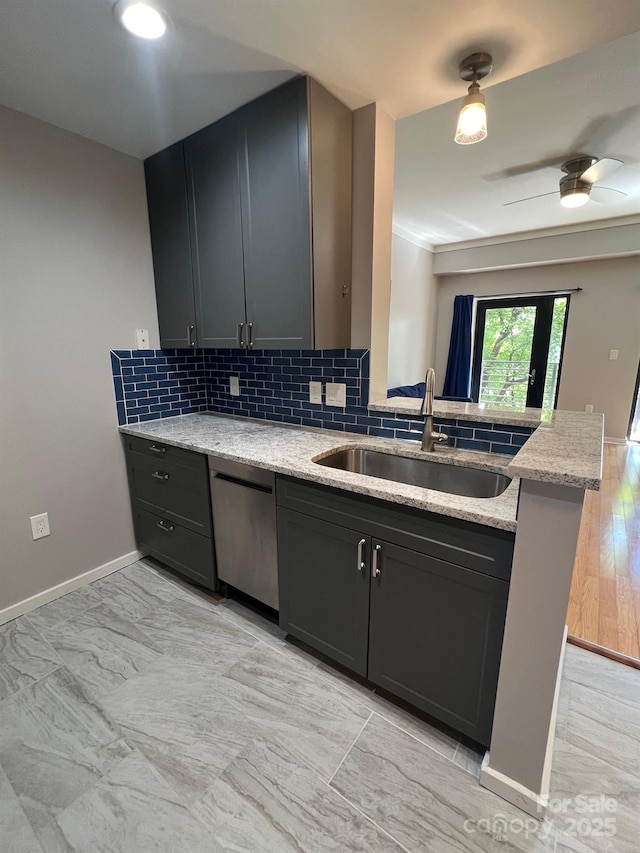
(183, 550)
(176, 493)
(474, 546)
(166, 456)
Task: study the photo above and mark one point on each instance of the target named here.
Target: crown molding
(400, 231)
(592, 225)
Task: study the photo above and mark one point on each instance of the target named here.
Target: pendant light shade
(472, 120)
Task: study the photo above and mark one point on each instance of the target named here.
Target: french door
(517, 354)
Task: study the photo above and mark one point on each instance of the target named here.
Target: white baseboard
(512, 791)
(609, 440)
(47, 595)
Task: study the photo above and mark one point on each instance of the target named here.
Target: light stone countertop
(291, 450)
(565, 450)
(465, 411)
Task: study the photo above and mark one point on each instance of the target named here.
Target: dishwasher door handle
(227, 478)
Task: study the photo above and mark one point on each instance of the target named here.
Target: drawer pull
(155, 449)
(167, 528)
(159, 475)
(361, 563)
(375, 569)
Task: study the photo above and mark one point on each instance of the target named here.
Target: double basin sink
(440, 476)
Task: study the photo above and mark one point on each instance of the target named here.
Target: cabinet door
(275, 211)
(324, 591)
(170, 245)
(212, 157)
(436, 636)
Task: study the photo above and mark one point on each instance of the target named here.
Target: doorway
(517, 353)
(634, 421)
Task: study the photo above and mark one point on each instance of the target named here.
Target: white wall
(75, 281)
(606, 315)
(373, 170)
(412, 320)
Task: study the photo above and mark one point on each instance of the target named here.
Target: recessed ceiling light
(141, 19)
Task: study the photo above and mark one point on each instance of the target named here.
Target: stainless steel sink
(455, 479)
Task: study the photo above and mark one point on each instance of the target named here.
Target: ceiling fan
(577, 186)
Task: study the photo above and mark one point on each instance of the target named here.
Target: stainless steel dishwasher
(243, 502)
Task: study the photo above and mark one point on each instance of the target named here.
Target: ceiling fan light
(472, 120)
(574, 198)
(141, 19)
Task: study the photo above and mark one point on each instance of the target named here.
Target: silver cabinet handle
(532, 377)
(190, 340)
(361, 563)
(158, 475)
(167, 528)
(240, 335)
(375, 570)
(250, 335)
(155, 449)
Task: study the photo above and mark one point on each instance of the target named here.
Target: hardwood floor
(604, 607)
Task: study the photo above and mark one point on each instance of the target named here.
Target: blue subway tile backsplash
(151, 384)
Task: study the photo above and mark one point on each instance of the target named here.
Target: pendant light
(472, 120)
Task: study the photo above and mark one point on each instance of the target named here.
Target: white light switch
(234, 386)
(613, 355)
(336, 394)
(315, 392)
(142, 339)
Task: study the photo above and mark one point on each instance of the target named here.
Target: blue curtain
(457, 379)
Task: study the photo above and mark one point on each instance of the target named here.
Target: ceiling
(589, 103)
(68, 63)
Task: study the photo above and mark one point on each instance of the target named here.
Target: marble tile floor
(141, 714)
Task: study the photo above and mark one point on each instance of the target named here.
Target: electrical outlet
(142, 339)
(613, 355)
(315, 392)
(234, 386)
(336, 394)
(40, 525)
(588, 407)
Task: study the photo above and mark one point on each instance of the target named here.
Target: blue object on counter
(417, 391)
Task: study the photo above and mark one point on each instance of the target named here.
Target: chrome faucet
(429, 437)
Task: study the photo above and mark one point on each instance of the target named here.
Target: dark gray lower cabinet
(413, 601)
(324, 587)
(171, 505)
(181, 549)
(435, 636)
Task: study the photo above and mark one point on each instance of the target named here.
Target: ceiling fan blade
(525, 168)
(606, 195)
(531, 197)
(604, 131)
(602, 169)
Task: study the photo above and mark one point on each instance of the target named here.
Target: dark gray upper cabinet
(275, 212)
(171, 247)
(213, 174)
(268, 264)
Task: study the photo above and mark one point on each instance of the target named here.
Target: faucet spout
(429, 436)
